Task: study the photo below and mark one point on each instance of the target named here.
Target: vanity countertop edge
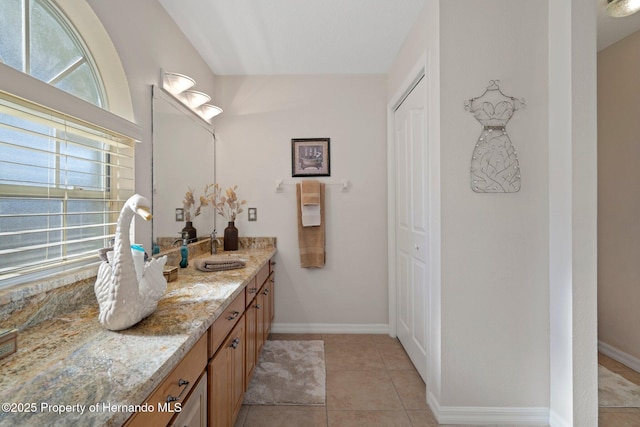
(97, 376)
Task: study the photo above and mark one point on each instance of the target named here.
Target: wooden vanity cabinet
(223, 324)
(251, 354)
(194, 411)
(212, 393)
(227, 378)
(259, 316)
(168, 399)
(268, 312)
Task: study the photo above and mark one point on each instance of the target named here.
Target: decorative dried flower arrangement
(189, 201)
(228, 206)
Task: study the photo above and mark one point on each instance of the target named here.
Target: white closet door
(411, 226)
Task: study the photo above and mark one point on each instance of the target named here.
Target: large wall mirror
(183, 158)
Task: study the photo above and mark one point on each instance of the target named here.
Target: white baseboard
(556, 420)
(329, 328)
(488, 415)
(619, 355)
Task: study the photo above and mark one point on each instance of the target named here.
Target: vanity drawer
(223, 324)
(251, 291)
(175, 387)
(262, 275)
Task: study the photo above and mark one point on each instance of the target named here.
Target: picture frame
(310, 157)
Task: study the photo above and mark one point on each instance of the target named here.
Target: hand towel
(311, 240)
(310, 192)
(310, 203)
(218, 263)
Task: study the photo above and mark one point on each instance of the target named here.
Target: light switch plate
(252, 213)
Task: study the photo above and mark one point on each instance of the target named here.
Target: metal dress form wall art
(494, 163)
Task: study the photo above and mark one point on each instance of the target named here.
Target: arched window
(66, 168)
(37, 39)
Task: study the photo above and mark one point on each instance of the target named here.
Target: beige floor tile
(410, 388)
(352, 357)
(395, 358)
(348, 339)
(384, 340)
(422, 418)
(628, 410)
(361, 390)
(618, 419)
(286, 416)
(630, 375)
(610, 364)
(368, 419)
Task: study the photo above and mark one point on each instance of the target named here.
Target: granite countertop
(67, 364)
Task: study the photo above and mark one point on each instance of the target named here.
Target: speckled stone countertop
(72, 362)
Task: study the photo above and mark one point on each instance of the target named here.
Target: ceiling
(256, 37)
(610, 30)
(250, 37)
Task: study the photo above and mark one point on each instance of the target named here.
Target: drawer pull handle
(253, 290)
(233, 315)
(235, 343)
(181, 383)
(258, 306)
(266, 291)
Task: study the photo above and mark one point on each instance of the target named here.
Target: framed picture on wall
(310, 157)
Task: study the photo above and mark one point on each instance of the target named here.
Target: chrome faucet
(214, 240)
(185, 235)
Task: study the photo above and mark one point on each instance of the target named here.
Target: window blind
(63, 182)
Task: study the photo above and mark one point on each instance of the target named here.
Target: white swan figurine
(122, 299)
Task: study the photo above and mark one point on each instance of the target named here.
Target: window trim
(33, 90)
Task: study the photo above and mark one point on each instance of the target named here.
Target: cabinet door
(194, 410)
(236, 346)
(268, 306)
(272, 300)
(226, 378)
(176, 386)
(261, 302)
(219, 384)
(251, 357)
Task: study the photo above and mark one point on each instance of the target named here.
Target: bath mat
(289, 373)
(614, 391)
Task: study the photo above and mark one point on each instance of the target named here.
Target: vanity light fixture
(194, 99)
(176, 83)
(179, 86)
(621, 8)
(209, 111)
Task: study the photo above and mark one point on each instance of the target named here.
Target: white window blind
(62, 185)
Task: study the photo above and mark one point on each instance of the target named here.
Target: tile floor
(619, 417)
(371, 382)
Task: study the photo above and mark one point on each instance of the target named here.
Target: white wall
(495, 313)
(262, 114)
(147, 40)
(618, 207)
(572, 207)
(515, 329)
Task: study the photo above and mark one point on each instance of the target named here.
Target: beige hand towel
(311, 240)
(310, 203)
(310, 192)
